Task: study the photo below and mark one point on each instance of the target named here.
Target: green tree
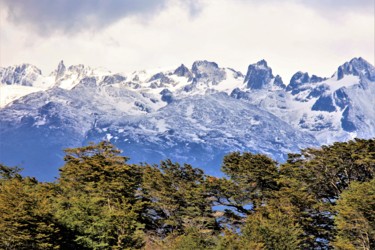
(192, 239)
(26, 220)
(250, 182)
(315, 179)
(331, 169)
(273, 227)
(356, 217)
(179, 200)
(313, 215)
(99, 198)
(230, 239)
(255, 176)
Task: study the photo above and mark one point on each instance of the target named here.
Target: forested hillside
(321, 198)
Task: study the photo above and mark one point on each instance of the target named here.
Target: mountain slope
(193, 115)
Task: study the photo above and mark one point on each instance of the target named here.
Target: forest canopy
(321, 198)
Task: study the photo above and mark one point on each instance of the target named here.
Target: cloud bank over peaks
(326, 7)
(71, 16)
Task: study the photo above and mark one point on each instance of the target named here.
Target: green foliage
(356, 217)
(310, 213)
(273, 227)
(228, 240)
(319, 199)
(179, 198)
(26, 221)
(252, 179)
(253, 175)
(192, 239)
(8, 173)
(98, 198)
(330, 170)
(315, 179)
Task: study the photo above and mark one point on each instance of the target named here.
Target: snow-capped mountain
(194, 115)
(332, 109)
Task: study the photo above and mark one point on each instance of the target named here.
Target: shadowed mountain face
(194, 115)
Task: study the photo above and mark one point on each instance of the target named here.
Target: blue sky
(126, 35)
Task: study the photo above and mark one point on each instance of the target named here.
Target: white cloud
(71, 16)
(291, 36)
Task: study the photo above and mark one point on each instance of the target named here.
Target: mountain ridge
(186, 114)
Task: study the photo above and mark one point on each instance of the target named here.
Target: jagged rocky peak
(60, 70)
(24, 74)
(183, 71)
(203, 64)
(279, 82)
(74, 71)
(315, 79)
(77, 68)
(205, 70)
(160, 77)
(25, 69)
(297, 80)
(259, 75)
(112, 79)
(301, 78)
(358, 67)
(236, 74)
(203, 67)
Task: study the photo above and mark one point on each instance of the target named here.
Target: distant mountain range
(194, 115)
